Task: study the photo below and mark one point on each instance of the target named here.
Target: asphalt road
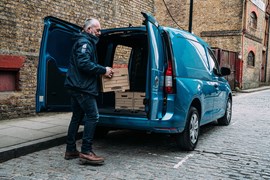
(238, 151)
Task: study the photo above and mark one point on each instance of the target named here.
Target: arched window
(251, 59)
(253, 20)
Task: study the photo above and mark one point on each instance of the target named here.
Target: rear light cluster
(169, 78)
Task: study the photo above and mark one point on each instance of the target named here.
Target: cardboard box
(119, 81)
(139, 95)
(138, 98)
(124, 95)
(129, 100)
(124, 100)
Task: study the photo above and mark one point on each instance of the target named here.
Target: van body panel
(222, 94)
(157, 126)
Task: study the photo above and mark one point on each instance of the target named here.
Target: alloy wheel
(194, 128)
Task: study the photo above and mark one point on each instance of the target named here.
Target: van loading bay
(238, 151)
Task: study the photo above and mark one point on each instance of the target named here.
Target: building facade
(240, 26)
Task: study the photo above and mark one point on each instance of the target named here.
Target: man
(82, 82)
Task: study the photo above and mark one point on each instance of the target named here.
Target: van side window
(201, 51)
(191, 58)
(192, 53)
(213, 64)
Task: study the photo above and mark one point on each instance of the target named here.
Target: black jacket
(83, 70)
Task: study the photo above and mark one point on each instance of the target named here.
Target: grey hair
(89, 23)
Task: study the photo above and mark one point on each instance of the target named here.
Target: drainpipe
(190, 16)
(267, 47)
(244, 20)
(244, 26)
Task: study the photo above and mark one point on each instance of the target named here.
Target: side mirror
(224, 71)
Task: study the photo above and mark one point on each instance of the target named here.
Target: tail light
(169, 79)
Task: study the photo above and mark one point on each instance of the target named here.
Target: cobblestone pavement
(238, 151)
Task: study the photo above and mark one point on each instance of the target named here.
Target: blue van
(183, 84)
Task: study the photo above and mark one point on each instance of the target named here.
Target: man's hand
(109, 72)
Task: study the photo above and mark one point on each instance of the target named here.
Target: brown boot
(71, 155)
(91, 158)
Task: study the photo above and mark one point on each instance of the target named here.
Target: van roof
(142, 30)
(184, 34)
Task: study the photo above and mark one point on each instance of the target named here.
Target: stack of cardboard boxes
(129, 100)
(124, 99)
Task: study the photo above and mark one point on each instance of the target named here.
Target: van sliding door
(155, 69)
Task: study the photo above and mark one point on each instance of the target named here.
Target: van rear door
(55, 51)
(155, 69)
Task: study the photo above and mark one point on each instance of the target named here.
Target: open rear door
(155, 69)
(55, 51)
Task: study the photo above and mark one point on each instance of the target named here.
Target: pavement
(26, 135)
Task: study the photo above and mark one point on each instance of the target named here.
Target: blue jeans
(84, 107)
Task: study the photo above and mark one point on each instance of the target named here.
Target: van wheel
(101, 132)
(187, 140)
(226, 119)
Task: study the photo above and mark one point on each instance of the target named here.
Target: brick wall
(21, 32)
(218, 22)
(178, 10)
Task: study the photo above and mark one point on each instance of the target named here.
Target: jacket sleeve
(87, 59)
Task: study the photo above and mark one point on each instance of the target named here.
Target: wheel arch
(230, 96)
(197, 104)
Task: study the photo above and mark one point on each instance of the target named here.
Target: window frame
(10, 67)
(252, 64)
(253, 22)
(212, 57)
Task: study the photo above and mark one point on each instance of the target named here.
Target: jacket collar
(91, 37)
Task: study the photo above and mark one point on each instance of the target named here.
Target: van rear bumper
(158, 126)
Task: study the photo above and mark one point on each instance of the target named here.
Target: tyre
(101, 132)
(226, 119)
(188, 139)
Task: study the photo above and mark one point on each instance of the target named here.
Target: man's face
(95, 29)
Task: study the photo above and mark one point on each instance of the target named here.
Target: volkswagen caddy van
(183, 85)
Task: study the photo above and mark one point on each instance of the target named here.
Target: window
(192, 53)
(212, 61)
(8, 81)
(253, 20)
(9, 72)
(251, 59)
(201, 51)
